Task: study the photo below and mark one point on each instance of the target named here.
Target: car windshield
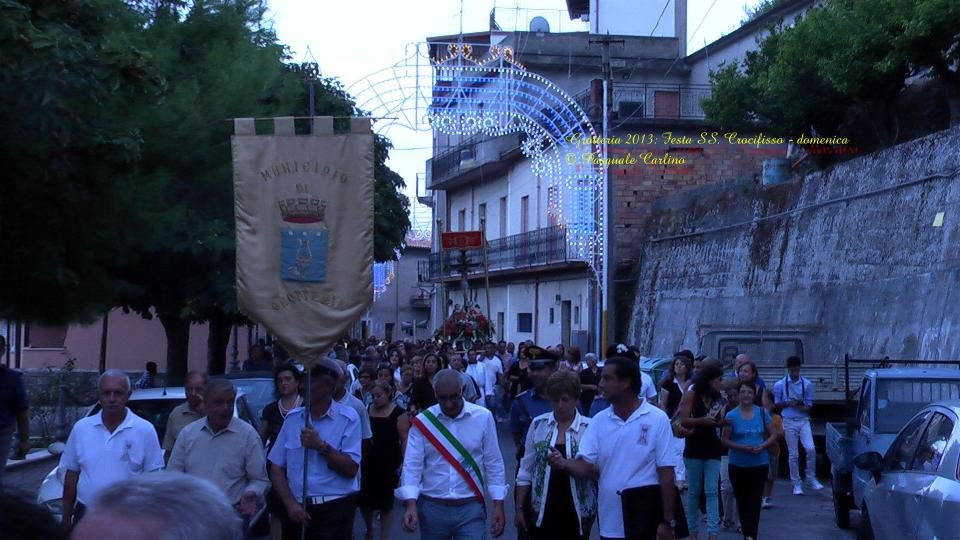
(155, 411)
(898, 400)
(259, 393)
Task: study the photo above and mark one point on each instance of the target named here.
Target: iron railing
(526, 250)
(636, 102)
(475, 151)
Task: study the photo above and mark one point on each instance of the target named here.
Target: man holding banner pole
(452, 457)
(324, 506)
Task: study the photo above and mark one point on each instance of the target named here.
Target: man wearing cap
(533, 402)
(452, 457)
(333, 461)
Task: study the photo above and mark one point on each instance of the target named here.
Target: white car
(915, 488)
(154, 405)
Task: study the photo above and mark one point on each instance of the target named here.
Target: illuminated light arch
(458, 94)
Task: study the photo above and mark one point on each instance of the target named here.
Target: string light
(496, 96)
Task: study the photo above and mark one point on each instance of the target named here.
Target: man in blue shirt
(534, 402)
(333, 461)
(793, 395)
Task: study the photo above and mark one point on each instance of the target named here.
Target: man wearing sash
(452, 456)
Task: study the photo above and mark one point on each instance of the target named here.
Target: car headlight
(55, 507)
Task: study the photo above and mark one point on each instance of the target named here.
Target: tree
(840, 70)
(68, 207)
(219, 62)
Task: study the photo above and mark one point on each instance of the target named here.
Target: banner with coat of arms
(304, 224)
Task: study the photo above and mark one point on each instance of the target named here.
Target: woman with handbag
(702, 410)
(748, 436)
(747, 372)
(671, 392)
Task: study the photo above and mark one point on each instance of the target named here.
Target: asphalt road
(806, 517)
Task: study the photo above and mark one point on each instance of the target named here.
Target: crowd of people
(416, 429)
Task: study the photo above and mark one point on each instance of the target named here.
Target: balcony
(419, 298)
(523, 251)
(477, 157)
(647, 102)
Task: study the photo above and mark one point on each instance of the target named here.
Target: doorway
(565, 323)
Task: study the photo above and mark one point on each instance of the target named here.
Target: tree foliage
(840, 69)
(118, 133)
(68, 72)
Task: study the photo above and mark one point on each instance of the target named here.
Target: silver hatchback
(915, 489)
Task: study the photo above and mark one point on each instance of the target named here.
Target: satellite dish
(539, 24)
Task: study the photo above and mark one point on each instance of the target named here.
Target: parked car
(258, 387)
(914, 488)
(153, 405)
(888, 398)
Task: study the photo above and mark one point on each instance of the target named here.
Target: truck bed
(839, 447)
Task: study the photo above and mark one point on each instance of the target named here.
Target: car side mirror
(870, 461)
(56, 448)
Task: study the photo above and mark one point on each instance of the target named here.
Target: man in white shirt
(452, 453)
(793, 396)
(630, 443)
(478, 371)
(112, 445)
(493, 367)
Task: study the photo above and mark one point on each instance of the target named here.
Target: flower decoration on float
(466, 328)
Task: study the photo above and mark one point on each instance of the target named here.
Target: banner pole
(306, 463)
(443, 290)
(486, 268)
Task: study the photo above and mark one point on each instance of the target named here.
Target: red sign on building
(461, 240)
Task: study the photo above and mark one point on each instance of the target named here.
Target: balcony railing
(646, 101)
(520, 251)
(476, 152)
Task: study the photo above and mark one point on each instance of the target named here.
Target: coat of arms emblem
(304, 240)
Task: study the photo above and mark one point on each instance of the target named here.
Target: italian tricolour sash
(449, 447)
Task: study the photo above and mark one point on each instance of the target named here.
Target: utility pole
(603, 335)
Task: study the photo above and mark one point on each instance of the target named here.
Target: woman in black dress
(287, 379)
(589, 381)
(380, 468)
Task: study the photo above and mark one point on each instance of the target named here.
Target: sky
(356, 40)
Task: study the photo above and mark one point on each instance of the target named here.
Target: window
(388, 331)
(934, 444)
(500, 328)
(36, 336)
(866, 399)
(576, 314)
(551, 315)
(448, 224)
(765, 352)
(482, 214)
(898, 399)
(503, 217)
(525, 322)
(462, 220)
(525, 213)
(901, 452)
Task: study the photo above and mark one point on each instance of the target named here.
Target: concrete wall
(132, 341)
(632, 18)
(852, 252)
(725, 51)
(522, 297)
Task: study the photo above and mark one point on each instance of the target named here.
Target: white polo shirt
(102, 457)
(628, 454)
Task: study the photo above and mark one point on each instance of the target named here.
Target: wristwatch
(672, 523)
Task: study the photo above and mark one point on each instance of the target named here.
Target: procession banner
(304, 224)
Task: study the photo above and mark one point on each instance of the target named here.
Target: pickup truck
(887, 398)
